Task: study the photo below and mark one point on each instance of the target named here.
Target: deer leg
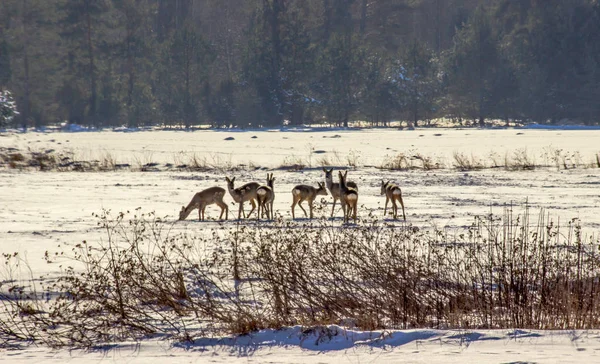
(293, 206)
(333, 207)
(253, 206)
(201, 212)
(402, 204)
(387, 199)
(224, 208)
(241, 211)
(300, 204)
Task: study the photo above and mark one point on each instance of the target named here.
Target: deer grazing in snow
(334, 188)
(209, 196)
(265, 196)
(394, 193)
(241, 194)
(348, 197)
(307, 193)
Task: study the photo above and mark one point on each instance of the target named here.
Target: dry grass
(415, 160)
(292, 163)
(464, 162)
(502, 272)
(517, 160)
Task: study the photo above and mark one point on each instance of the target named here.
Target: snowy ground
(44, 209)
(291, 346)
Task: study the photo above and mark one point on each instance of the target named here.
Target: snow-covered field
(41, 210)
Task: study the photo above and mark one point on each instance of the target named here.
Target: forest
(272, 63)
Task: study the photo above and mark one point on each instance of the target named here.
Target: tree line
(253, 63)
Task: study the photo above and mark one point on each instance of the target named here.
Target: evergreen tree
(341, 71)
(5, 70)
(378, 100)
(82, 28)
(184, 61)
(470, 67)
(8, 108)
(136, 55)
(416, 81)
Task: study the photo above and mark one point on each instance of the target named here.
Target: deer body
(394, 193)
(209, 196)
(241, 194)
(266, 196)
(306, 193)
(334, 188)
(348, 197)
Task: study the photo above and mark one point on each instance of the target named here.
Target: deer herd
(261, 197)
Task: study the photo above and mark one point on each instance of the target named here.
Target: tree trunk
(130, 66)
(90, 46)
(327, 21)
(274, 12)
(363, 17)
(26, 108)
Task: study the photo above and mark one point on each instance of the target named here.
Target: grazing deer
(265, 196)
(307, 193)
(241, 194)
(348, 197)
(334, 188)
(209, 196)
(394, 193)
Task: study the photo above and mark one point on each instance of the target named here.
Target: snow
(293, 346)
(41, 210)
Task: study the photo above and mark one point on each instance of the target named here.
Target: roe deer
(348, 197)
(307, 193)
(334, 188)
(241, 194)
(209, 196)
(394, 193)
(265, 196)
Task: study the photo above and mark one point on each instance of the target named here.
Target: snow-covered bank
(339, 345)
(44, 209)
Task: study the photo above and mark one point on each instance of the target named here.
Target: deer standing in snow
(266, 196)
(209, 196)
(307, 193)
(334, 188)
(394, 193)
(241, 194)
(348, 197)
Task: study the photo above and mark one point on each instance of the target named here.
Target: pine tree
(469, 68)
(81, 30)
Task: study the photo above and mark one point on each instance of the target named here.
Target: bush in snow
(143, 281)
